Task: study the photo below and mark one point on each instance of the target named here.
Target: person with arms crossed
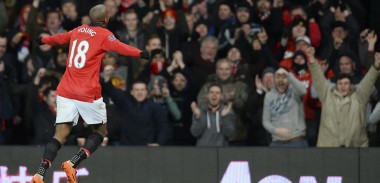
(79, 92)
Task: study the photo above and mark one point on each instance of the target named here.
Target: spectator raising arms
(343, 122)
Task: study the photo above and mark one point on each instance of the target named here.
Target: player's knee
(100, 129)
(60, 138)
(102, 132)
(63, 130)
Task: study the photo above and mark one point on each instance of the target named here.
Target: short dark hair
(138, 82)
(130, 11)
(214, 85)
(153, 36)
(53, 10)
(343, 76)
(46, 92)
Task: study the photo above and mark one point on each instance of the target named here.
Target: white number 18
(81, 53)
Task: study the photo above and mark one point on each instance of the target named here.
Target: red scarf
(157, 67)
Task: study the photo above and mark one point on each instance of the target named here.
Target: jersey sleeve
(110, 43)
(58, 39)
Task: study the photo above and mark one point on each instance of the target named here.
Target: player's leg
(91, 144)
(67, 116)
(62, 130)
(94, 114)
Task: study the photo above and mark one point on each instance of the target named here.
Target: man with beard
(283, 114)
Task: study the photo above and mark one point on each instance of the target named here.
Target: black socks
(79, 157)
(89, 147)
(93, 142)
(50, 154)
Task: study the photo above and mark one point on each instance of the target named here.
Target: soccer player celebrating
(79, 92)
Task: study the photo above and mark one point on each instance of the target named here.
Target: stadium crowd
(293, 73)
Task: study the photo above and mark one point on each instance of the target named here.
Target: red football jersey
(88, 45)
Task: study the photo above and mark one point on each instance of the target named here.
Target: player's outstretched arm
(113, 44)
(58, 39)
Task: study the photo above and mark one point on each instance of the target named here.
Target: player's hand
(39, 41)
(145, 55)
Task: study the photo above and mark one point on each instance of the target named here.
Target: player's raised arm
(58, 39)
(113, 44)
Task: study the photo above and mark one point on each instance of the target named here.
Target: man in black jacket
(145, 122)
(45, 117)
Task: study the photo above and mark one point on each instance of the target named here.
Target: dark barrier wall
(122, 164)
(295, 163)
(370, 165)
(198, 165)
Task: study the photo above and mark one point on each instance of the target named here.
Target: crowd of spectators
(221, 73)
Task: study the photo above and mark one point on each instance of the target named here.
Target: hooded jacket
(212, 129)
(240, 91)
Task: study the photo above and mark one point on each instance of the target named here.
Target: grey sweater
(206, 129)
(285, 110)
